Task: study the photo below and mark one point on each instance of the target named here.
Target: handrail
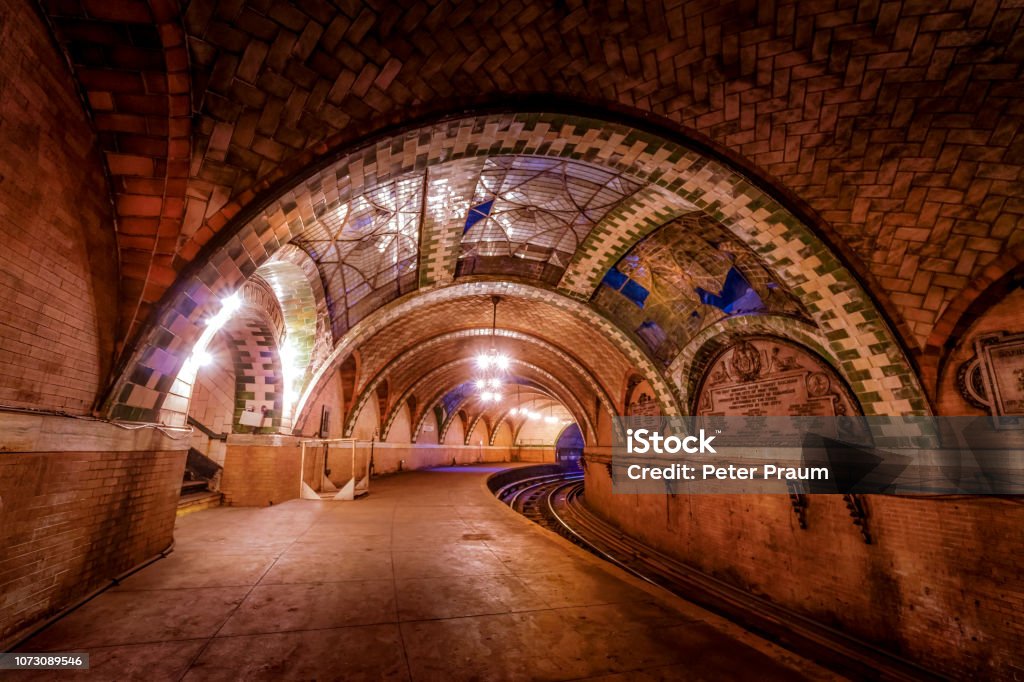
(207, 431)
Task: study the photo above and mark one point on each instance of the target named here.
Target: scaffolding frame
(358, 483)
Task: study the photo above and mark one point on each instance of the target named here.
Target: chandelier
(491, 365)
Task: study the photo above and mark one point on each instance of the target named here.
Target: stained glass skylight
(529, 214)
(367, 249)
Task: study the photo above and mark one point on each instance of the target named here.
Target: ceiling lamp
(491, 364)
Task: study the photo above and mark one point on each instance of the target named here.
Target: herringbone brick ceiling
(894, 126)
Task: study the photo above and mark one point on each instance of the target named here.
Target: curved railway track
(555, 501)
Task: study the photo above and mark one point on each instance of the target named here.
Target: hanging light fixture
(491, 364)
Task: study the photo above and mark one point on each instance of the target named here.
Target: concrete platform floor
(428, 578)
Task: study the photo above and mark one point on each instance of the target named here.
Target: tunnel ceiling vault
(555, 206)
(424, 353)
(437, 382)
(520, 393)
(896, 131)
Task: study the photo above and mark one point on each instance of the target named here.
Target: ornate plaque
(769, 377)
(641, 402)
(994, 378)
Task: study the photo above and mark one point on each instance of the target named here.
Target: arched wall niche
(693, 362)
(479, 433)
(457, 431)
(367, 424)
(401, 427)
(771, 376)
(996, 282)
(502, 435)
(982, 373)
(639, 399)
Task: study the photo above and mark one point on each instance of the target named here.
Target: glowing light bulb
(481, 384)
(232, 302)
(514, 411)
(201, 358)
(496, 397)
(550, 420)
(501, 362)
(483, 361)
(494, 382)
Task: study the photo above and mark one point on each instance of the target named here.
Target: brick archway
(805, 265)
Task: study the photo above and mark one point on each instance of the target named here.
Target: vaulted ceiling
(890, 133)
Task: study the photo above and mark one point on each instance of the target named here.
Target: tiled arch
(258, 372)
(450, 417)
(393, 312)
(559, 388)
(471, 427)
(494, 413)
(563, 356)
(503, 416)
(300, 299)
(971, 303)
(688, 367)
(857, 332)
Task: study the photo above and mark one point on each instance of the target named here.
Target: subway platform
(427, 578)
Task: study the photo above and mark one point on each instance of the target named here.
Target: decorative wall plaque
(994, 378)
(763, 376)
(640, 402)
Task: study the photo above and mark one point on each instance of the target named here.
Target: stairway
(195, 485)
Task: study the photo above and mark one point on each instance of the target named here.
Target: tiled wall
(58, 264)
(80, 503)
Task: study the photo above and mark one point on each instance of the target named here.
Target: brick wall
(58, 265)
(70, 520)
(260, 470)
(939, 584)
(386, 456)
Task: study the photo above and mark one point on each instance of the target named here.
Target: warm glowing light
(228, 307)
(232, 303)
(288, 355)
(485, 396)
(494, 382)
(532, 415)
(551, 420)
(202, 358)
(514, 411)
(292, 371)
(493, 360)
(481, 384)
